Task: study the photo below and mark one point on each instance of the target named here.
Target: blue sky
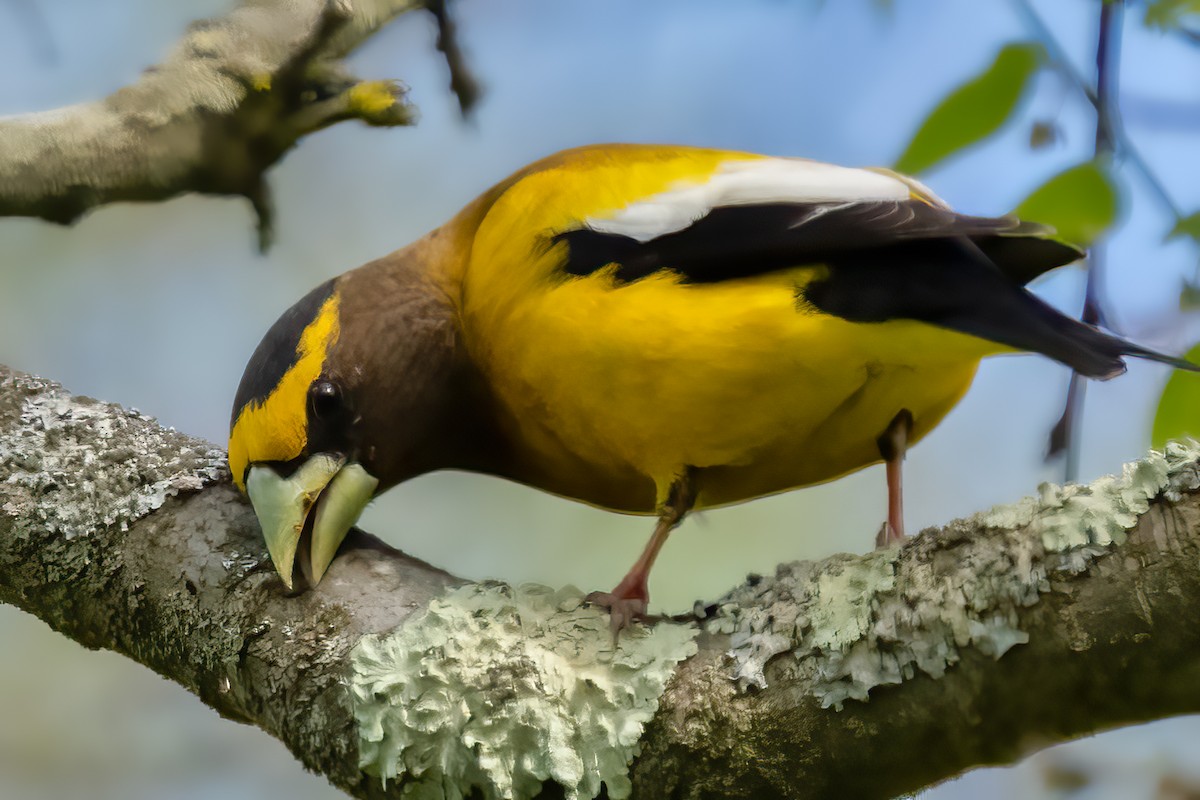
(159, 306)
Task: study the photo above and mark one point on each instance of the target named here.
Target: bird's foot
(623, 608)
(888, 536)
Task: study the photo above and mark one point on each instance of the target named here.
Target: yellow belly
(610, 391)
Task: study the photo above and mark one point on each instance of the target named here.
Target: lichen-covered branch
(233, 96)
(857, 676)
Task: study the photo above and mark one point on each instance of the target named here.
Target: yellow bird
(648, 329)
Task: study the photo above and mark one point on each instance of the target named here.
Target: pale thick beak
(338, 490)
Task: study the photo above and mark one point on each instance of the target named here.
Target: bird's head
(295, 438)
(357, 387)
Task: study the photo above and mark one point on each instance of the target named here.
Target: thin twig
(1065, 435)
(463, 82)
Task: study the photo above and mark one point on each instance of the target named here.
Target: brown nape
(418, 402)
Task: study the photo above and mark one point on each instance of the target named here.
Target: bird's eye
(324, 399)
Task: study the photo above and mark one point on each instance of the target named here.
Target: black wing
(886, 259)
(743, 240)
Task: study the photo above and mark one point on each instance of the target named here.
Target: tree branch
(235, 94)
(858, 676)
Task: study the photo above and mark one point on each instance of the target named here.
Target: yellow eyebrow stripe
(276, 429)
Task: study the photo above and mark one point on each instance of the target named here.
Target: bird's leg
(893, 444)
(631, 597)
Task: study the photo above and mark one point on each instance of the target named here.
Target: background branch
(234, 95)
(1022, 626)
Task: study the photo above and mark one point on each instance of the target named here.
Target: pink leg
(893, 445)
(631, 597)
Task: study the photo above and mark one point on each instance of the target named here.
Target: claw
(622, 611)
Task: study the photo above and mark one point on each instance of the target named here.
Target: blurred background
(159, 306)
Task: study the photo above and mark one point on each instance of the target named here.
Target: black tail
(1036, 326)
(954, 284)
(1086, 349)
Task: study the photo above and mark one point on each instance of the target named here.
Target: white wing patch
(749, 182)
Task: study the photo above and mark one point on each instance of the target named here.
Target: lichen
(498, 689)
(1183, 469)
(858, 622)
(75, 465)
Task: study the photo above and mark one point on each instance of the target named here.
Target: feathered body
(607, 388)
(647, 329)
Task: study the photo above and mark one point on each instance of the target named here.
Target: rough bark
(972, 644)
(234, 95)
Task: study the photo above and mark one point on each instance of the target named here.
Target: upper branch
(857, 676)
(233, 96)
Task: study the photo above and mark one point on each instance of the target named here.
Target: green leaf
(1189, 296)
(1178, 412)
(973, 111)
(1187, 226)
(1168, 14)
(1080, 202)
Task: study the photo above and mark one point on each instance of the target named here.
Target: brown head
(358, 386)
